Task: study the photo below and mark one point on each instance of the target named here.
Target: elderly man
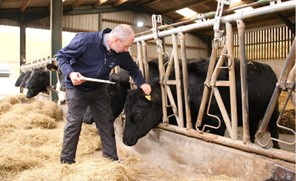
(94, 54)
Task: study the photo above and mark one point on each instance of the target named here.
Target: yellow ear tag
(148, 97)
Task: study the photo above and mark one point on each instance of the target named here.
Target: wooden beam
(184, 5)
(78, 3)
(100, 2)
(240, 3)
(119, 2)
(145, 2)
(24, 5)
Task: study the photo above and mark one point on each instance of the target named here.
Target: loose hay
(5, 107)
(33, 154)
(40, 120)
(14, 159)
(89, 140)
(90, 170)
(49, 109)
(17, 99)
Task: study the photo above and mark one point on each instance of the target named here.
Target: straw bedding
(31, 136)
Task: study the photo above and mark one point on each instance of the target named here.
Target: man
(94, 54)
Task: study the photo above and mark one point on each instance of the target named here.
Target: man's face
(123, 46)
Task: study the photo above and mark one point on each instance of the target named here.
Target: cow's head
(38, 82)
(141, 114)
(118, 91)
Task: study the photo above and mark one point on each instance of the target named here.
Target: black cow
(19, 79)
(39, 81)
(142, 114)
(118, 93)
(35, 81)
(22, 79)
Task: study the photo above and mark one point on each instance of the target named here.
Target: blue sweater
(87, 54)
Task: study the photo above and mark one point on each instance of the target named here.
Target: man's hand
(76, 78)
(146, 88)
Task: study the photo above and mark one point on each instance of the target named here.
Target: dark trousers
(99, 103)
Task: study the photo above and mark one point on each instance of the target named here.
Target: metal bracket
(156, 21)
(219, 11)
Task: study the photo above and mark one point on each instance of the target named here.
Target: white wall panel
(81, 22)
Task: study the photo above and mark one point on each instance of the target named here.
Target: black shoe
(67, 162)
(110, 158)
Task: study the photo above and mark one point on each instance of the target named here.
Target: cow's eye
(136, 116)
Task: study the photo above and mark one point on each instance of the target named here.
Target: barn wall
(81, 22)
(74, 23)
(268, 44)
(94, 22)
(195, 47)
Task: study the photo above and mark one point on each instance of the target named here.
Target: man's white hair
(122, 31)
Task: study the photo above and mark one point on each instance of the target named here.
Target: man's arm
(71, 52)
(134, 71)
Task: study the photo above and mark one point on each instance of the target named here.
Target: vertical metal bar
(280, 42)
(273, 55)
(145, 61)
(285, 42)
(56, 14)
(140, 56)
(276, 43)
(264, 44)
(244, 85)
(178, 81)
(270, 43)
(232, 88)
(185, 81)
(268, 50)
(22, 45)
(251, 45)
(260, 45)
(255, 44)
(161, 78)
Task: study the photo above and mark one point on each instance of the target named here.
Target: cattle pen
(189, 148)
(199, 118)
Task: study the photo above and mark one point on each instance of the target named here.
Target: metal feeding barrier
(40, 63)
(160, 31)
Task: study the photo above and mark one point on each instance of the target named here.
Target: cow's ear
(143, 95)
(156, 96)
(52, 67)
